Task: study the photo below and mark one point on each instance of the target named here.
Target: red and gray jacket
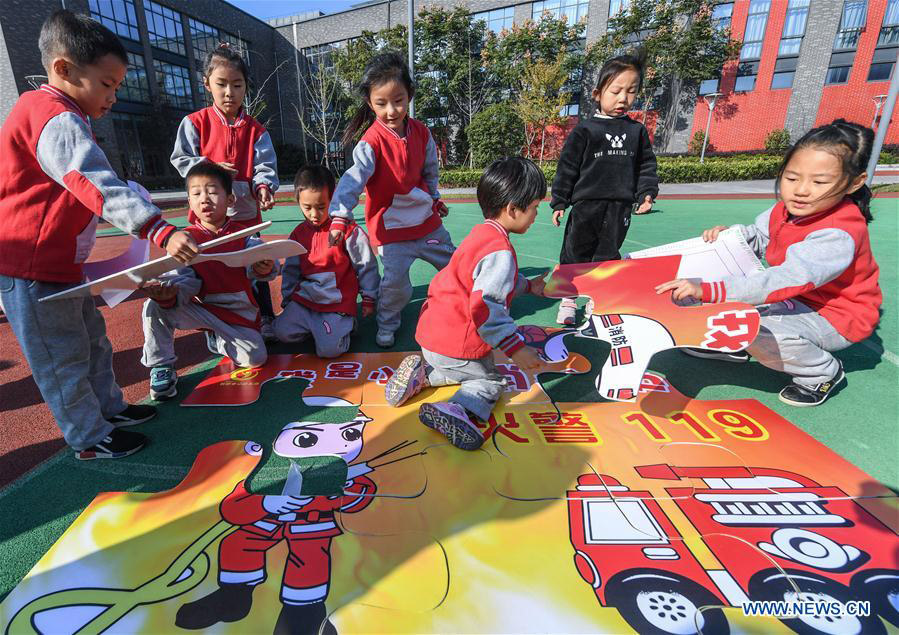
(824, 261)
(466, 313)
(222, 290)
(327, 279)
(206, 135)
(399, 176)
(55, 185)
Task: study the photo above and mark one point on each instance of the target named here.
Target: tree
(324, 101)
(495, 132)
(541, 100)
(254, 103)
(682, 45)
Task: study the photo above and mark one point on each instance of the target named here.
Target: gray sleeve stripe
(186, 153)
(353, 181)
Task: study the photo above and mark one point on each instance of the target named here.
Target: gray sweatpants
(396, 258)
(65, 344)
(330, 331)
(796, 340)
(481, 385)
(242, 344)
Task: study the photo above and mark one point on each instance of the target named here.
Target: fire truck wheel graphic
(657, 602)
(773, 585)
(881, 588)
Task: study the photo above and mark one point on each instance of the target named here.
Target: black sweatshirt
(608, 159)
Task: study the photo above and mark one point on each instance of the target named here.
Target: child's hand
(228, 167)
(335, 237)
(160, 292)
(645, 206)
(263, 267)
(440, 207)
(181, 246)
(538, 284)
(557, 216)
(368, 307)
(711, 235)
(265, 198)
(526, 358)
(282, 504)
(681, 289)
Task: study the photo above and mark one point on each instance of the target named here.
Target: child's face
(208, 200)
(520, 220)
(299, 440)
(390, 103)
(314, 205)
(619, 94)
(92, 86)
(809, 179)
(228, 88)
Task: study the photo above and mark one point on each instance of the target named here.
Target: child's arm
(431, 174)
(186, 153)
(175, 287)
(68, 154)
(290, 279)
(568, 171)
(647, 178)
(263, 270)
(820, 258)
(265, 171)
(366, 266)
(350, 188)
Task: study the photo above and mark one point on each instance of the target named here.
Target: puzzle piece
(638, 323)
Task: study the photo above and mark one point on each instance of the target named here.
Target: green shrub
(495, 132)
(888, 158)
(777, 141)
(695, 145)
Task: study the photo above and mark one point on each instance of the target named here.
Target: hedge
(671, 170)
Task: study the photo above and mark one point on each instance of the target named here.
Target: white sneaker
(384, 339)
(567, 310)
(267, 330)
(588, 310)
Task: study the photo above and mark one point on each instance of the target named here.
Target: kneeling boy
(466, 314)
(208, 295)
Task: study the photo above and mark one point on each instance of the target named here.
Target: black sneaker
(739, 357)
(807, 396)
(132, 415)
(119, 443)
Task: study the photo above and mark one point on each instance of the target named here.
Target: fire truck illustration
(824, 544)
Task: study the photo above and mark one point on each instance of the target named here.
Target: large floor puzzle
(663, 515)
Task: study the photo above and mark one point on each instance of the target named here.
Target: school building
(802, 63)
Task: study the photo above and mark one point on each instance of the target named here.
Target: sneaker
(163, 383)
(567, 310)
(703, 353)
(384, 339)
(267, 329)
(588, 308)
(409, 379)
(807, 396)
(452, 421)
(132, 415)
(119, 443)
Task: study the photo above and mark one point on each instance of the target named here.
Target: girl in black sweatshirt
(607, 169)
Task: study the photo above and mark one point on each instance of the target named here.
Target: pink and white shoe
(567, 310)
(409, 379)
(452, 421)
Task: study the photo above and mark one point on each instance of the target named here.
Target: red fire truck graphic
(827, 545)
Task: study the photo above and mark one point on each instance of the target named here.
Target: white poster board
(729, 255)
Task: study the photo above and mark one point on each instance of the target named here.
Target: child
(55, 184)
(224, 134)
(319, 288)
(208, 295)
(606, 165)
(821, 286)
(466, 314)
(395, 162)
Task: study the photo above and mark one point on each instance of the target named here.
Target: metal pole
(708, 123)
(296, 63)
(410, 5)
(884, 121)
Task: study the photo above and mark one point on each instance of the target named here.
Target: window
(203, 38)
(782, 80)
(755, 29)
(708, 86)
(721, 15)
(881, 72)
(837, 75)
(851, 24)
(322, 55)
(572, 10)
(164, 27)
(889, 30)
(794, 27)
(116, 15)
(498, 19)
(744, 83)
(617, 5)
(136, 86)
(137, 138)
(174, 84)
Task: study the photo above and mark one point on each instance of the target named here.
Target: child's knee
(332, 347)
(256, 357)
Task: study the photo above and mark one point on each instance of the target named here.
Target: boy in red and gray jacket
(55, 184)
(466, 314)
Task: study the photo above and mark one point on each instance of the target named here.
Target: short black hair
(513, 180)
(207, 168)
(225, 54)
(79, 38)
(617, 65)
(314, 177)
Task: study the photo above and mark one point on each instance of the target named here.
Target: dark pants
(595, 231)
